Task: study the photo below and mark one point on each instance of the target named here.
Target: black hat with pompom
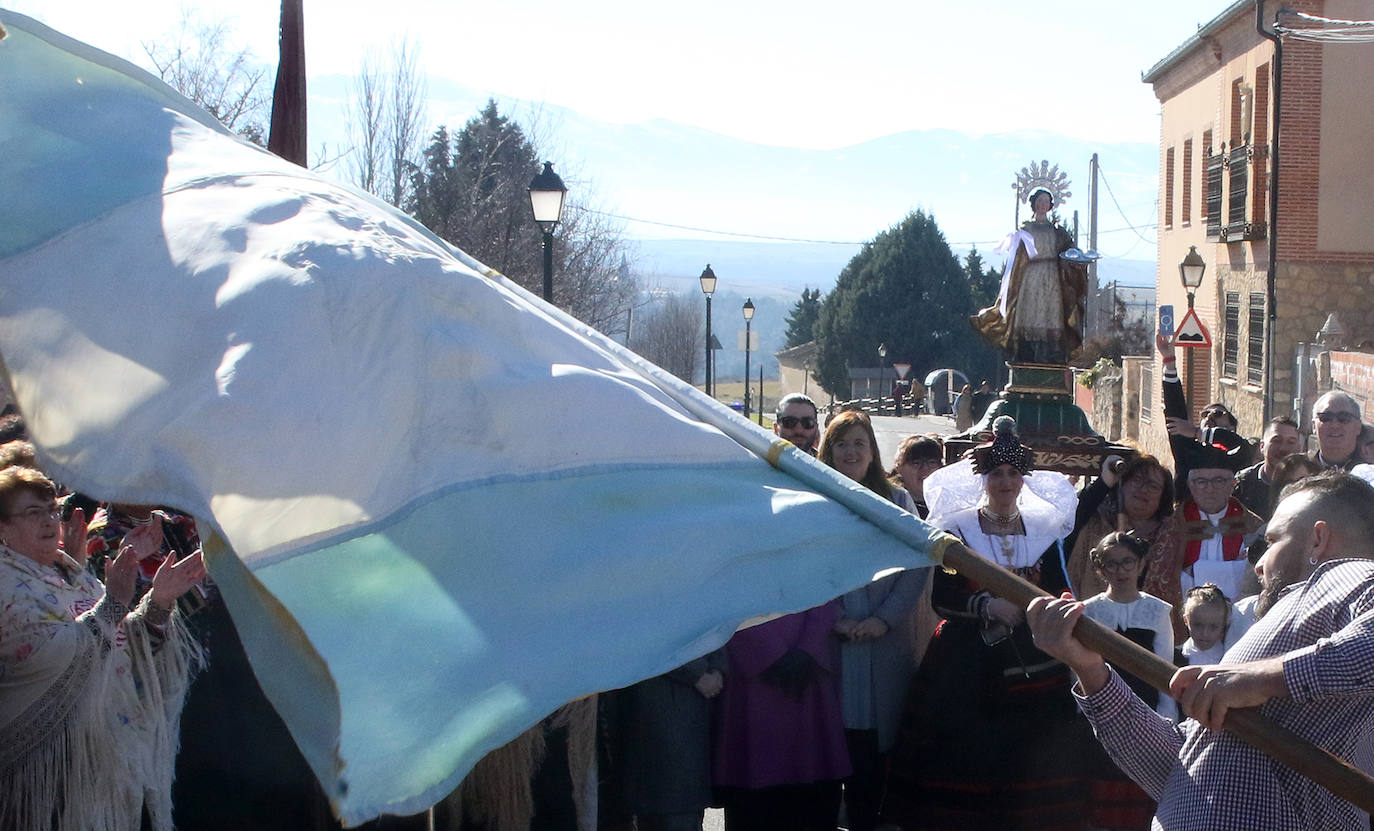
(1004, 449)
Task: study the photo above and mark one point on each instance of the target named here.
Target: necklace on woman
(1002, 531)
(1008, 546)
(999, 519)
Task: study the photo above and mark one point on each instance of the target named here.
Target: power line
(774, 238)
(1331, 30)
(1124, 218)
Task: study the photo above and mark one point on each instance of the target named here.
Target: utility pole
(1095, 325)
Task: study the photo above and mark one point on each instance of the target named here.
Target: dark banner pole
(286, 137)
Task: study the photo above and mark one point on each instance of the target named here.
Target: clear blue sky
(799, 73)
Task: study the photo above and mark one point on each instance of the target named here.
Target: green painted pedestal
(1040, 398)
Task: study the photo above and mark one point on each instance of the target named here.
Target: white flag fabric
(440, 507)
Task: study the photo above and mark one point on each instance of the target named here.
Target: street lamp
(882, 359)
(1190, 271)
(708, 288)
(546, 200)
(748, 318)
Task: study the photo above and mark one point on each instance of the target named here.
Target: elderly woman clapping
(92, 689)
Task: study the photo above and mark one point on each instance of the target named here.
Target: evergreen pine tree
(801, 321)
(905, 289)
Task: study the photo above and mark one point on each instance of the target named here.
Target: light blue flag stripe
(445, 638)
(422, 565)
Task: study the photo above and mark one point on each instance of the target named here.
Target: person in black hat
(1214, 524)
(988, 740)
(1219, 425)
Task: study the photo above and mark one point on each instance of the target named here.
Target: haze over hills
(795, 217)
(671, 181)
(782, 270)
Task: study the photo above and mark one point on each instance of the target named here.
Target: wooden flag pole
(1331, 772)
(286, 136)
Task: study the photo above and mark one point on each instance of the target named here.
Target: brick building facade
(1218, 99)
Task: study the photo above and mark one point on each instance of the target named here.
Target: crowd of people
(918, 701)
(923, 701)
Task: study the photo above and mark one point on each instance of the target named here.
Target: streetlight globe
(1192, 269)
(546, 198)
(748, 308)
(882, 350)
(708, 281)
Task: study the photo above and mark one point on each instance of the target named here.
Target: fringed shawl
(497, 794)
(90, 700)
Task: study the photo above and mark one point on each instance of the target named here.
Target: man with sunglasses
(1336, 419)
(795, 420)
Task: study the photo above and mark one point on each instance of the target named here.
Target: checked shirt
(1211, 780)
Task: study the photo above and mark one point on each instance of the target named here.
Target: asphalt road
(891, 430)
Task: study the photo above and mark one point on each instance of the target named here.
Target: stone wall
(1142, 408)
(1105, 414)
(1307, 294)
(1353, 372)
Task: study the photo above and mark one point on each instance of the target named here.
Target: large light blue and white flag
(450, 507)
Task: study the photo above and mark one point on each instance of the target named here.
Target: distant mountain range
(782, 270)
(674, 185)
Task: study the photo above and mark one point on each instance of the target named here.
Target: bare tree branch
(198, 60)
(405, 119)
(670, 334)
(364, 111)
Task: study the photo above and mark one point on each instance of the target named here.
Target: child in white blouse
(1139, 616)
(1206, 613)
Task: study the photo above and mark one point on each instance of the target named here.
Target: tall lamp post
(748, 321)
(708, 288)
(546, 200)
(882, 360)
(1191, 270)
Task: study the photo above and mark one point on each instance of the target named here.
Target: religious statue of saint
(1038, 316)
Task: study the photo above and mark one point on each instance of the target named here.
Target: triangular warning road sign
(1191, 332)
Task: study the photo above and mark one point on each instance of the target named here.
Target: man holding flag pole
(1308, 663)
(186, 320)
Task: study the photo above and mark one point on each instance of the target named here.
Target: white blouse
(1146, 612)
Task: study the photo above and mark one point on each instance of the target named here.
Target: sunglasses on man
(1342, 417)
(790, 422)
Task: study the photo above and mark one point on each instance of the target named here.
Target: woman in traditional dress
(874, 631)
(1039, 312)
(990, 739)
(91, 690)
